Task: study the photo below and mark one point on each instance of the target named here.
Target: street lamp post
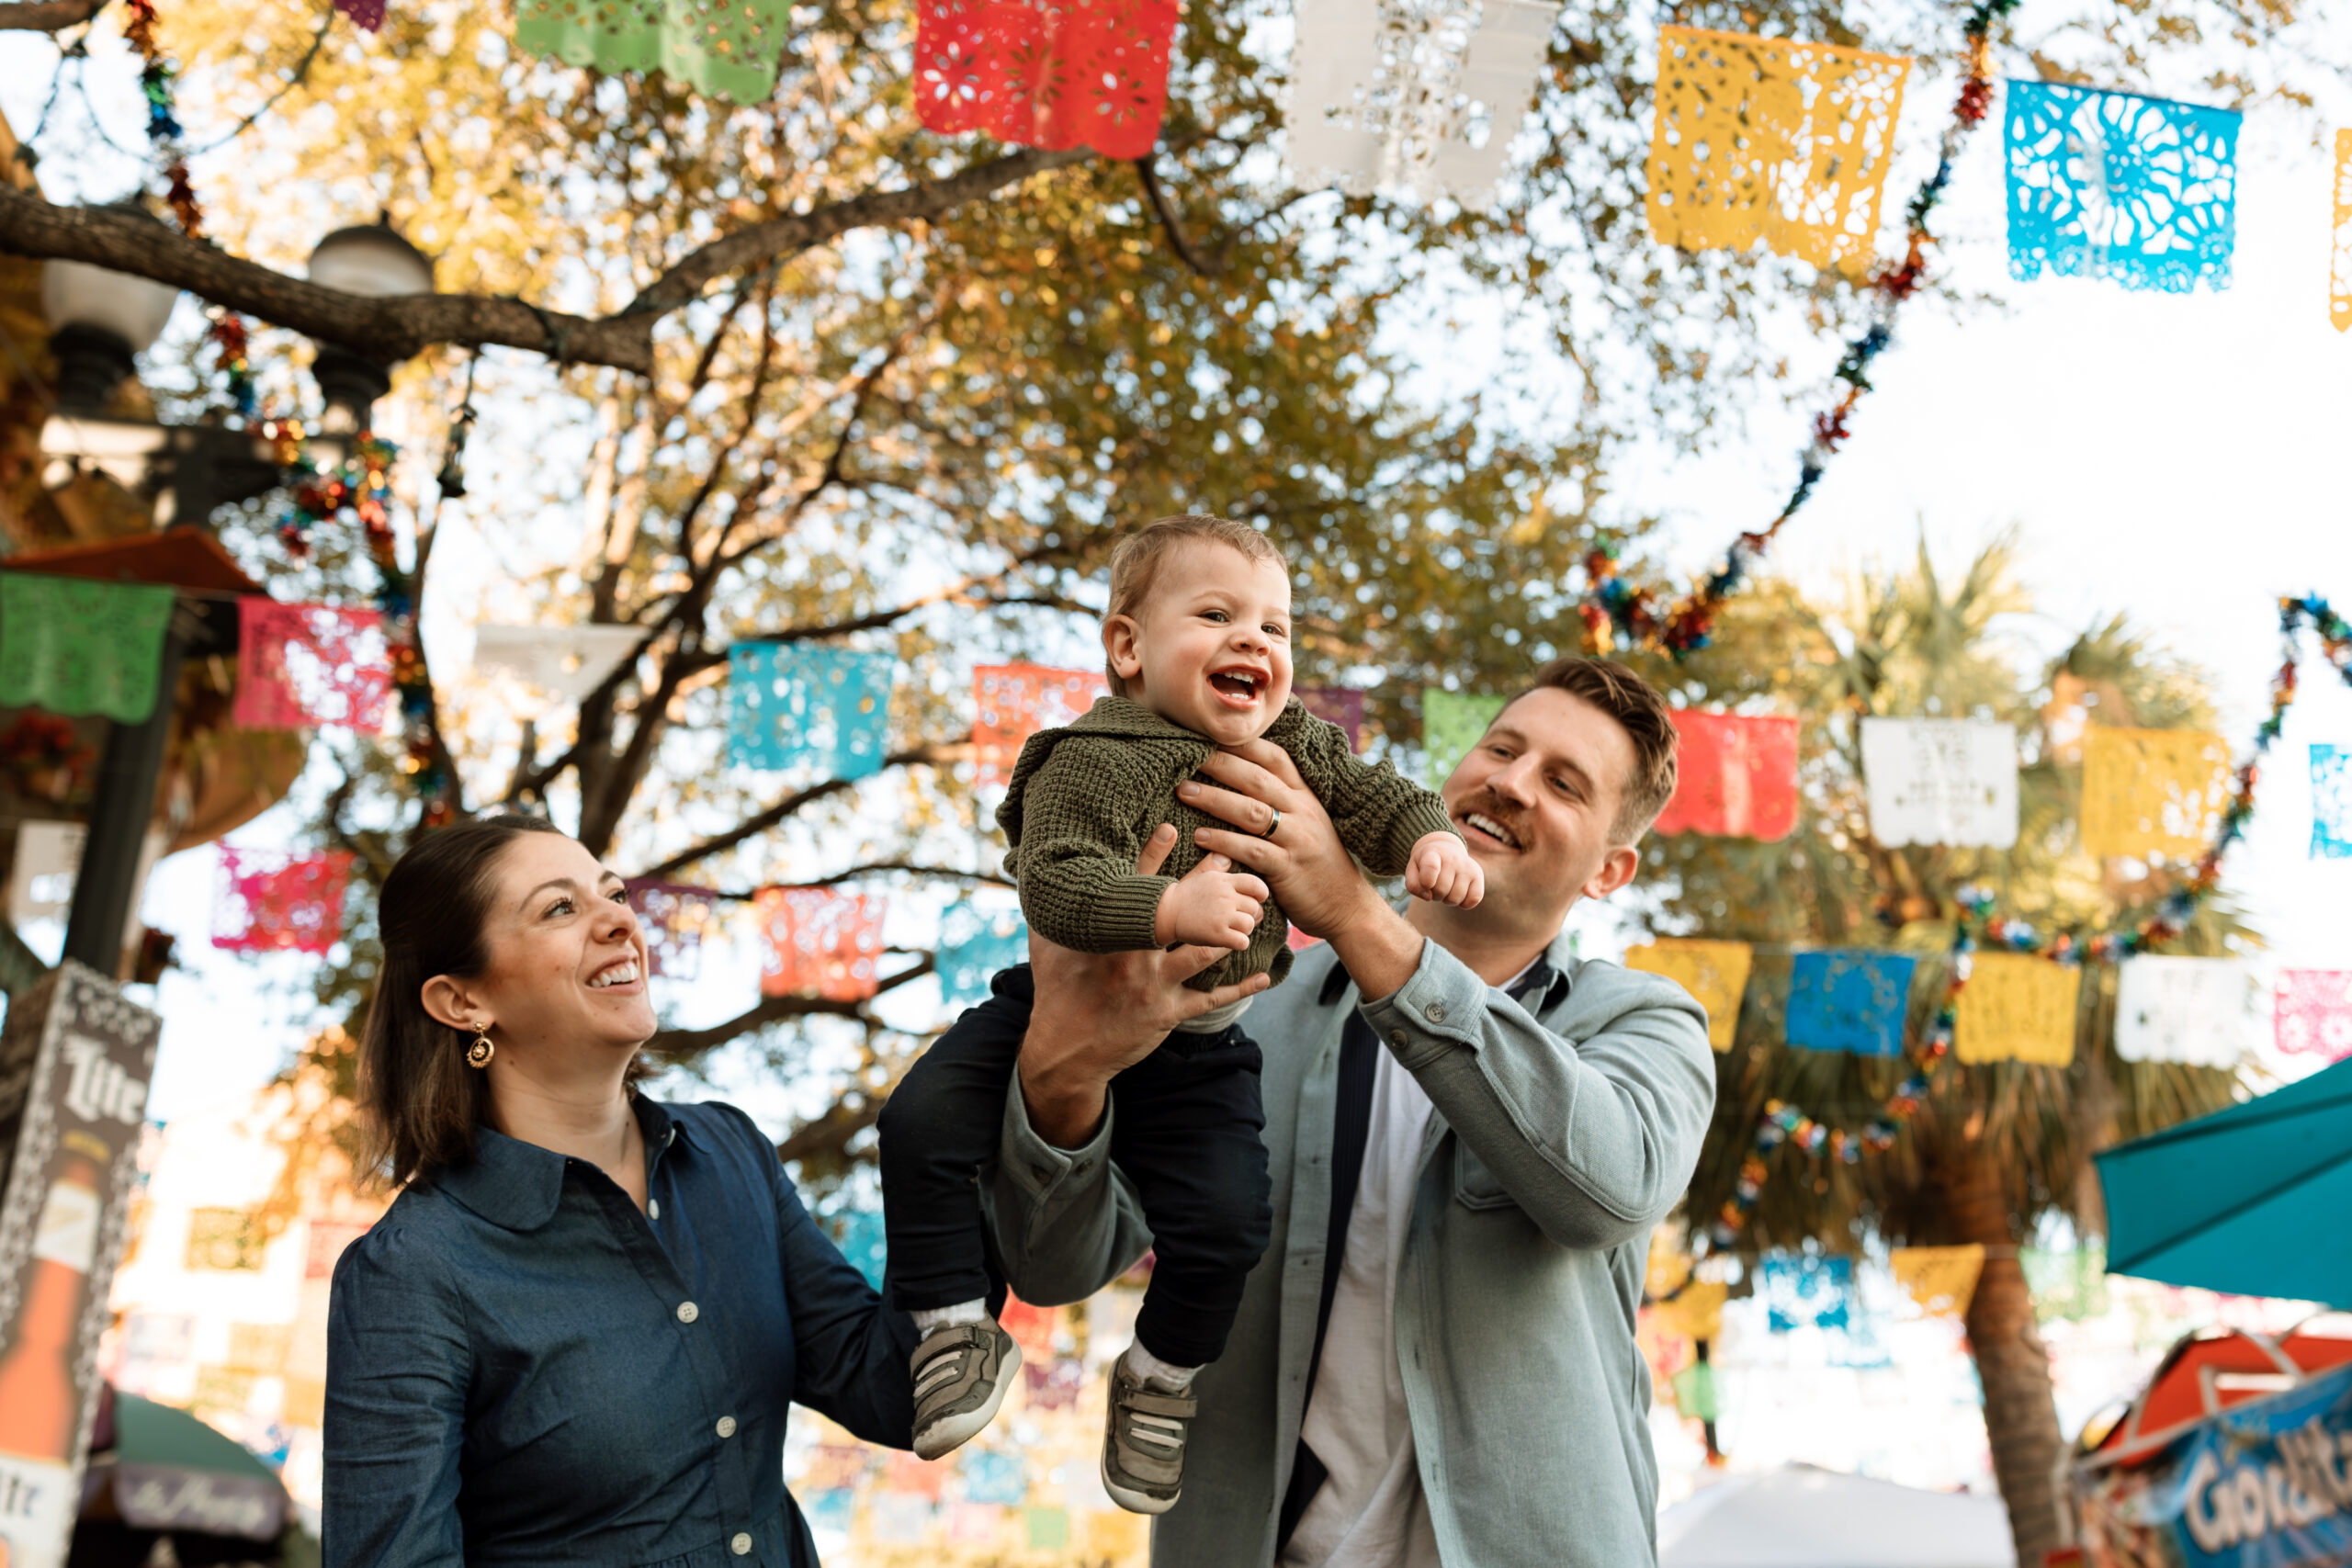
(100, 322)
(371, 260)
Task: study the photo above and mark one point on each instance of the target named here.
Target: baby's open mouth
(1238, 683)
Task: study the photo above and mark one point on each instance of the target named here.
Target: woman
(573, 1338)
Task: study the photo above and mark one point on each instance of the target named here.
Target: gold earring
(479, 1053)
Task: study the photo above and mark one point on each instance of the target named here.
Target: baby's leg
(1185, 1129)
(940, 1126)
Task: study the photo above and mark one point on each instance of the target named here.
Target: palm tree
(1995, 1149)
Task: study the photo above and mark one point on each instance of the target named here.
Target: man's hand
(1214, 907)
(1444, 871)
(1097, 1014)
(1303, 861)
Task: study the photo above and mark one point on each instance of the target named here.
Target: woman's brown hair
(419, 1101)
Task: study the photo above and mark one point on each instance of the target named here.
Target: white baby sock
(930, 1319)
(1165, 1376)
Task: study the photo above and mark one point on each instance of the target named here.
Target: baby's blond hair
(1136, 561)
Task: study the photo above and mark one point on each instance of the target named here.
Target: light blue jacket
(1560, 1139)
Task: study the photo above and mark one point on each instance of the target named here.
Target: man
(1471, 1134)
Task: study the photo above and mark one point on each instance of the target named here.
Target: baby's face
(1211, 649)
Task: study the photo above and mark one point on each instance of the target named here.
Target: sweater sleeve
(1379, 814)
(1076, 861)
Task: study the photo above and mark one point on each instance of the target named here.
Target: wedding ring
(1272, 825)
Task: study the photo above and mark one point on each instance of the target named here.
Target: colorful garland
(1614, 610)
(363, 488)
(1975, 925)
(164, 133)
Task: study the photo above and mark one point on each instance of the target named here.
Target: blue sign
(2263, 1484)
(1800, 1291)
(788, 703)
(862, 1242)
(2331, 802)
(974, 945)
(1849, 999)
(2113, 185)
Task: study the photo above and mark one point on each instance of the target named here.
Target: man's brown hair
(1136, 561)
(1640, 712)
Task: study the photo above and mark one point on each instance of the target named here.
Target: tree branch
(399, 327)
(776, 1009)
(798, 232)
(831, 1132)
(753, 826)
(1166, 212)
(873, 868)
(48, 15)
(836, 464)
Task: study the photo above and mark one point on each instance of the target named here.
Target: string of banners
(1808, 1291)
(2011, 990)
(1424, 99)
(1762, 139)
(2159, 794)
(1787, 144)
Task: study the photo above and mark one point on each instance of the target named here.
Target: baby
(1198, 653)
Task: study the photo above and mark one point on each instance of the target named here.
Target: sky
(2162, 455)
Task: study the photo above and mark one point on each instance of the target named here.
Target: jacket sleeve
(1076, 863)
(850, 1350)
(1592, 1126)
(399, 1359)
(1379, 814)
(1064, 1222)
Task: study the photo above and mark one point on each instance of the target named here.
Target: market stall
(2239, 1454)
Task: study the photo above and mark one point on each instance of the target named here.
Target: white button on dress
(654, 1207)
(726, 1425)
(741, 1545)
(688, 1311)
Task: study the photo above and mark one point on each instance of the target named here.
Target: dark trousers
(1186, 1125)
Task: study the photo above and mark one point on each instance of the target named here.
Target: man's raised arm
(1065, 1222)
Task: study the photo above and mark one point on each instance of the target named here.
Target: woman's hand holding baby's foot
(1215, 906)
(1444, 871)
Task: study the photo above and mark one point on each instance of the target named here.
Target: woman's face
(567, 961)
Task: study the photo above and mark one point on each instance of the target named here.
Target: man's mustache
(1486, 804)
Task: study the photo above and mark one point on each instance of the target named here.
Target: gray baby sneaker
(961, 1373)
(1143, 1447)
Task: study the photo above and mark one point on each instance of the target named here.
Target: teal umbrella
(2250, 1200)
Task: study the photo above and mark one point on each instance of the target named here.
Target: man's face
(1536, 800)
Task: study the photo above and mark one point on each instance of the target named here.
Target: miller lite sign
(75, 1058)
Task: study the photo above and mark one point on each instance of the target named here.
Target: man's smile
(1488, 827)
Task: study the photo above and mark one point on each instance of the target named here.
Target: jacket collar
(519, 1186)
(1551, 976)
(1125, 717)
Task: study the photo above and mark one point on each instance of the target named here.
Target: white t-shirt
(1370, 1512)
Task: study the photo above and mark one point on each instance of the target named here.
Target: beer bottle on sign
(39, 1412)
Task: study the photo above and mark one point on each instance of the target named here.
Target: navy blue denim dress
(523, 1369)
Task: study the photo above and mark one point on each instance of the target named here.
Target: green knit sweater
(1084, 799)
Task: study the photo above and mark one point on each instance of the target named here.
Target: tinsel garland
(363, 488)
(1975, 926)
(1614, 610)
(164, 133)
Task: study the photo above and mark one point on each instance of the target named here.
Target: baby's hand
(1214, 907)
(1443, 871)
